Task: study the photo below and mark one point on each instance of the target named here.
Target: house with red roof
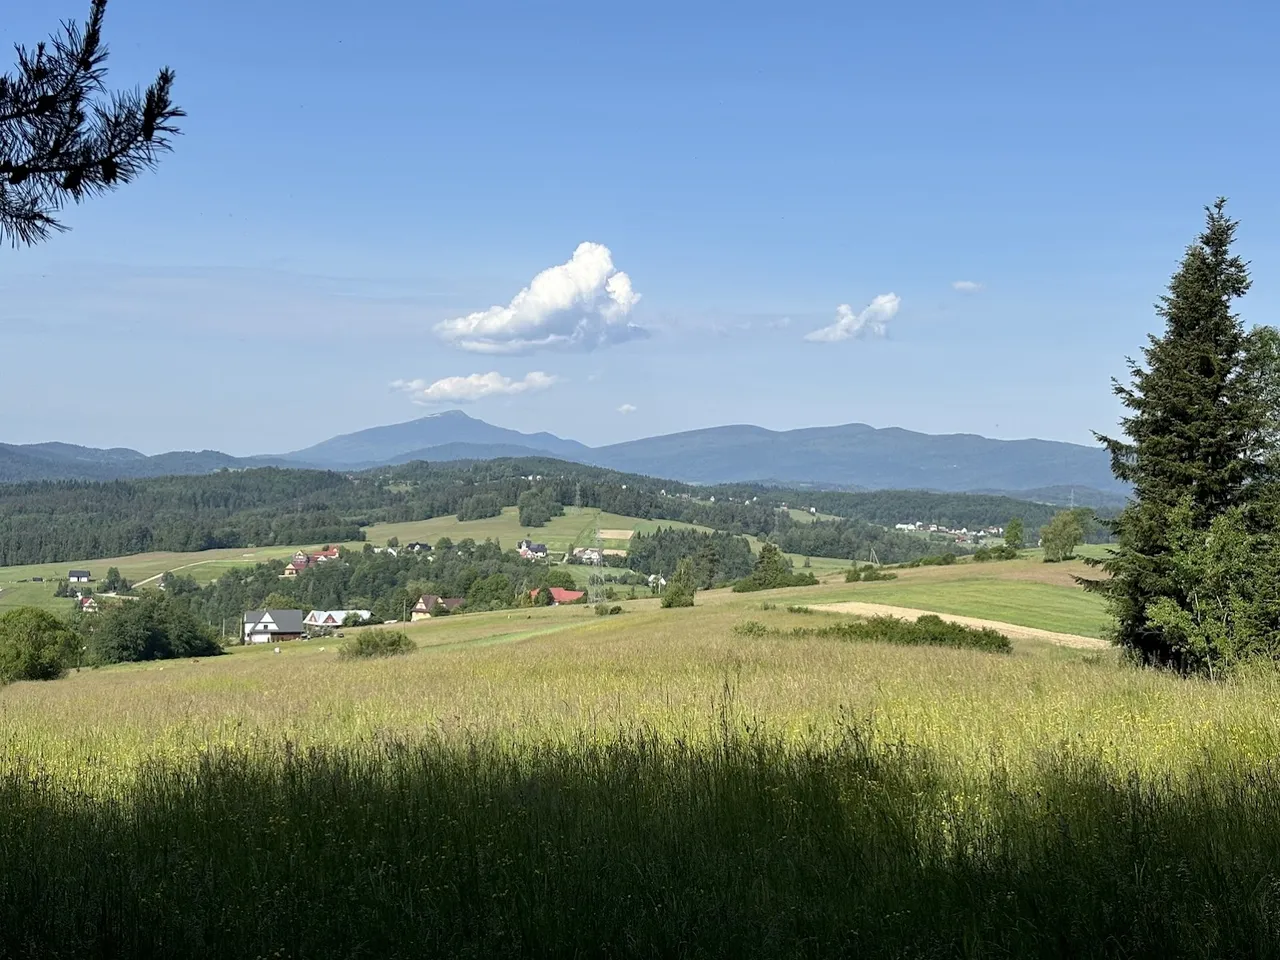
(560, 595)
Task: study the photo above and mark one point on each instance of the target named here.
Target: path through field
(1011, 630)
(143, 583)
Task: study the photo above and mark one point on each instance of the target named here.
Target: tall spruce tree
(1198, 435)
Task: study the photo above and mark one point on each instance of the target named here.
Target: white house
(332, 618)
(269, 626)
(532, 551)
(79, 576)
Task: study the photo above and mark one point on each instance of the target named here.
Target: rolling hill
(848, 457)
(401, 442)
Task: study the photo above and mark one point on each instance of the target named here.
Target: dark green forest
(71, 520)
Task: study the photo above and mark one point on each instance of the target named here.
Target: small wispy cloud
(871, 323)
(581, 304)
(966, 286)
(627, 408)
(468, 389)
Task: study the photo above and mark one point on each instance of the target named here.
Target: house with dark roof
(425, 608)
(79, 576)
(532, 551)
(270, 626)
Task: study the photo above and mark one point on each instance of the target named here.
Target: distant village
(961, 535)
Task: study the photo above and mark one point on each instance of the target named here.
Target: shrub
(929, 630)
(750, 628)
(34, 645)
(796, 608)
(605, 610)
(615, 610)
(938, 560)
(1000, 552)
(376, 643)
(768, 606)
(867, 574)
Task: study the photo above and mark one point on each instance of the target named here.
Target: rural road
(1011, 630)
(143, 583)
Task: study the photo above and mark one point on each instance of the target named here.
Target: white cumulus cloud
(627, 408)
(582, 304)
(873, 321)
(966, 286)
(477, 386)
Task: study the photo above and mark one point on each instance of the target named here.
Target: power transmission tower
(873, 558)
(595, 583)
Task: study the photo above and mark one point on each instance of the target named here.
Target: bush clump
(938, 560)
(605, 610)
(929, 630)
(1000, 552)
(371, 644)
(867, 574)
(34, 645)
(751, 628)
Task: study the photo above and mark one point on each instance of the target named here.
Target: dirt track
(1011, 630)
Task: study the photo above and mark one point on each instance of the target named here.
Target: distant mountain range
(851, 456)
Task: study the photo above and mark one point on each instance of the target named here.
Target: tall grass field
(661, 783)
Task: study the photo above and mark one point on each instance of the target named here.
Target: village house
(426, 605)
(318, 619)
(303, 560)
(415, 547)
(88, 605)
(270, 626)
(532, 551)
(588, 554)
(79, 576)
(559, 595)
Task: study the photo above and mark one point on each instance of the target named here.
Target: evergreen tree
(62, 138)
(1198, 434)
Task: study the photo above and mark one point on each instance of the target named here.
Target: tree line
(50, 522)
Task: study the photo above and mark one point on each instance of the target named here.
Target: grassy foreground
(645, 785)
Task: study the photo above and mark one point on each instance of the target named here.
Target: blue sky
(356, 181)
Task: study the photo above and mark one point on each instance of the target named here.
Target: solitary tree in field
(1013, 534)
(682, 586)
(1061, 536)
(1198, 443)
(64, 137)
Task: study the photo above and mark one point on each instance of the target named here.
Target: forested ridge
(72, 520)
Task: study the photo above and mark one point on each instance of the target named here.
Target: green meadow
(549, 782)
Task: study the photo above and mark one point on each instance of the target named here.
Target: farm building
(332, 618)
(79, 576)
(422, 610)
(560, 595)
(88, 605)
(268, 626)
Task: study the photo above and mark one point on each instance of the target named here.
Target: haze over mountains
(848, 456)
